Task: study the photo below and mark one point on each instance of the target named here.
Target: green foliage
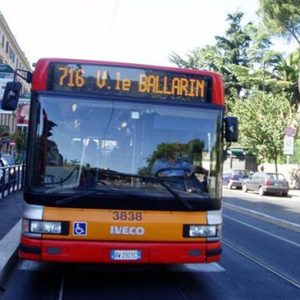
(261, 85)
(191, 151)
(4, 130)
(263, 118)
(230, 49)
(278, 74)
(282, 17)
(208, 57)
(246, 62)
(19, 137)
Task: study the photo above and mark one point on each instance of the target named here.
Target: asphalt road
(260, 261)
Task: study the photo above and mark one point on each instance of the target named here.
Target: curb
(9, 251)
(262, 216)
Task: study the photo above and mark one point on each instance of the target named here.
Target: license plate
(125, 254)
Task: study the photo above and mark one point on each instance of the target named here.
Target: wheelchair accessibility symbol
(79, 228)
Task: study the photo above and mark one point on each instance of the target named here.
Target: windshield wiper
(155, 179)
(115, 173)
(71, 198)
(90, 192)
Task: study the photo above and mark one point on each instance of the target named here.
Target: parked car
(264, 182)
(234, 178)
(7, 166)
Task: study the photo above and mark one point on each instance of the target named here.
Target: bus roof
(75, 75)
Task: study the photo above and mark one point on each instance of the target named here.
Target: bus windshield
(120, 146)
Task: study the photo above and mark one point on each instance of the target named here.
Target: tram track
(62, 286)
(176, 284)
(261, 263)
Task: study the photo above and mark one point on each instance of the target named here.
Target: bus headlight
(201, 230)
(46, 227)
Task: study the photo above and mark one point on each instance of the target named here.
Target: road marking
(263, 216)
(9, 244)
(263, 231)
(211, 267)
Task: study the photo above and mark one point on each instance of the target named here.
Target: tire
(261, 191)
(284, 194)
(244, 188)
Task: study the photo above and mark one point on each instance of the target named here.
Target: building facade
(12, 55)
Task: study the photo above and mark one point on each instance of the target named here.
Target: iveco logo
(127, 230)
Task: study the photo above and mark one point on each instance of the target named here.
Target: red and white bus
(124, 163)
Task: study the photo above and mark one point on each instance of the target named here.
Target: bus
(124, 163)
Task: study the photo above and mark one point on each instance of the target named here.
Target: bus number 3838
(127, 216)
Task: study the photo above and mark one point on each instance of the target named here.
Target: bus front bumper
(119, 252)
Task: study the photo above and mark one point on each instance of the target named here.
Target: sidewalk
(294, 193)
(283, 211)
(10, 228)
(10, 212)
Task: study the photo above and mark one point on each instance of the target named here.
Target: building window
(2, 41)
(7, 46)
(11, 54)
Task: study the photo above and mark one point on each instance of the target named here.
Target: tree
(263, 118)
(20, 139)
(286, 71)
(208, 57)
(277, 73)
(4, 135)
(189, 152)
(282, 18)
(230, 49)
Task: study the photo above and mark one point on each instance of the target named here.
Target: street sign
(289, 131)
(288, 145)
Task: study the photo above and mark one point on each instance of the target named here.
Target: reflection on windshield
(87, 142)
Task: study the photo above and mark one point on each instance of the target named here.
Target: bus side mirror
(11, 95)
(231, 129)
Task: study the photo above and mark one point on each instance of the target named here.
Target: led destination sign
(129, 81)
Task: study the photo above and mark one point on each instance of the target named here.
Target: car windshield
(81, 143)
(240, 173)
(275, 176)
(8, 159)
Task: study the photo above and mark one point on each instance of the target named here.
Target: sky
(137, 31)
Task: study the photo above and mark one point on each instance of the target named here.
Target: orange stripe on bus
(104, 224)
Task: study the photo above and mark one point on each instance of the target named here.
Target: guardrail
(11, 179)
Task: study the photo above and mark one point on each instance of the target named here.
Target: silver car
(265, 182)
